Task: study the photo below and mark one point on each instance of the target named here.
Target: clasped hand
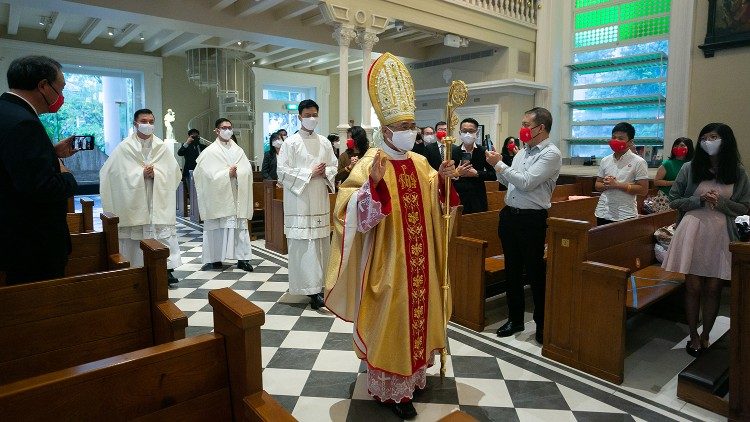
(711, 198)
(318, 169)
(233, 171)
(148, 171)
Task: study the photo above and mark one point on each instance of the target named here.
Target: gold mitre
(391, 90)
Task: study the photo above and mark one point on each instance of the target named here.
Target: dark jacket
(33, 193)
(432, 153)
(419, 148)
(268, 169)
(471, 190)
(190, 152)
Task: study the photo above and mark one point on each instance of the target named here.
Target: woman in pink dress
(709, 192)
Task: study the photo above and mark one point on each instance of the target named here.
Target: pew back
(96, 251)
(562, 192)
(84, 221)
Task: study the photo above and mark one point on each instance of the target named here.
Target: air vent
(452, 59)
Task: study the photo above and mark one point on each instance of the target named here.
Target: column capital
(344, 35)
(367, 39)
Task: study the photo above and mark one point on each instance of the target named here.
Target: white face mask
(309, 123)
(277, 144)
(336, 145)
(403, 139)
(226, 134)
(468, 138)
(711, 147)
(428, 139)
(145, 129)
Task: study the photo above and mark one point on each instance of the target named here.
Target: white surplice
(306, 208)
(225, 203)
(146, 207)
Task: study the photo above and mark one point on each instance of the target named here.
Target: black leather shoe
(216, 265)
(509, 328)
(316, 301)
(245, 265)
(539, 336)
(171, 279)
(403, 410)
(693, 352)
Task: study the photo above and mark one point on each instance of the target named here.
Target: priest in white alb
(224, 184)
(306, 167)
(138, 184)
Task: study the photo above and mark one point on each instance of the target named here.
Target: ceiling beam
(282, 56)
(328, 58)
(269, 50)
(309, 59)
(318, 19)
(398, 34)
(92, 30)
(294, 11)
(252, 7)
(55, 25)
(414, 38)
(162, 37)
(333, 65)
(126, 35)
(14, 18)
(222, 4)
(182, 40)
(438, 39)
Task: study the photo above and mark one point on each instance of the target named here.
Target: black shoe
(316, 301)
(245, 265)
(216, 265)
(693, 352)
(171, 279)
(509, 328)
(403, 410)
(539, 336)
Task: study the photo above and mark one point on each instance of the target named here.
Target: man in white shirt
(224, 184)
(306, 167)
(138, 184)
(523, 221)
(622, 176)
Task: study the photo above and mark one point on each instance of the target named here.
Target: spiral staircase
(227, 72)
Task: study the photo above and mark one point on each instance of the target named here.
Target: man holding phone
(190, 149)
(473, 169)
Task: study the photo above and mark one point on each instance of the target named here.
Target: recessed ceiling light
(142, 38)
(111, 31)
(42, 20)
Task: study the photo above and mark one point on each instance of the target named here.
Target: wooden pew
(739, 329)
(479, 261)
(50, 325)
(590, 291)
(491, 185)
(273, 199)
(215, 376)
(96, 251)
(84, 221)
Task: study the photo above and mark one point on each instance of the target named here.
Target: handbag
(656, 203)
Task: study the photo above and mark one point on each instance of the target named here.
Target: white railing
(519, 10)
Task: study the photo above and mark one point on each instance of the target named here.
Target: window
(290, 96)
(288, 93)
(618, 73)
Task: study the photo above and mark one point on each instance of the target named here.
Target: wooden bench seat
(55, 324)
(596, 278)
(477, 260)
(216, 376)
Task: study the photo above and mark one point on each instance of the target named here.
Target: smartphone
(83, 142)
(465, 157)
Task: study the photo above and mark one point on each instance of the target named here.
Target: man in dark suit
(190, 149)
(435, 152)
(474, 169)
(34, 183)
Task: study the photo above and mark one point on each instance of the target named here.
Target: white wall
(264, 77)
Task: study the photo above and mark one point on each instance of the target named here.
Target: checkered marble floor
(310, 368)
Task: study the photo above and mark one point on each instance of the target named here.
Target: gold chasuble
(387, 280)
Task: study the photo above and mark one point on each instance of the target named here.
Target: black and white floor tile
(310, 368)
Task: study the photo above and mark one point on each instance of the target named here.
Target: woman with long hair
(268, 169)
(509, 150)
(708, 193)
(682, 152)
(356, 147)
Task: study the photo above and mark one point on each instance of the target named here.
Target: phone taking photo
(465, 157)
(83, 142)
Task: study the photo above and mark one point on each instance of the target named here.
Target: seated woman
(682, 152)
(709, 193)
(356, 147)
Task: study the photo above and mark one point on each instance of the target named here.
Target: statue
(168, 119)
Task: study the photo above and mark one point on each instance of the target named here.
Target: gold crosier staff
(457, 95)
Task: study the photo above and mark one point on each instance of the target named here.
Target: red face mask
(54, 107)
(618, 146)
(441, 134)
(350, 143)
(524, 134)
(680, 152)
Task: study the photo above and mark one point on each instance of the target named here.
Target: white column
(343, 35)
(678, 72)
(366, 40)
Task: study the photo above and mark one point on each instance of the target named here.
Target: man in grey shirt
(523, 221)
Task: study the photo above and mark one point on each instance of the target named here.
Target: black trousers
(522, 234)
